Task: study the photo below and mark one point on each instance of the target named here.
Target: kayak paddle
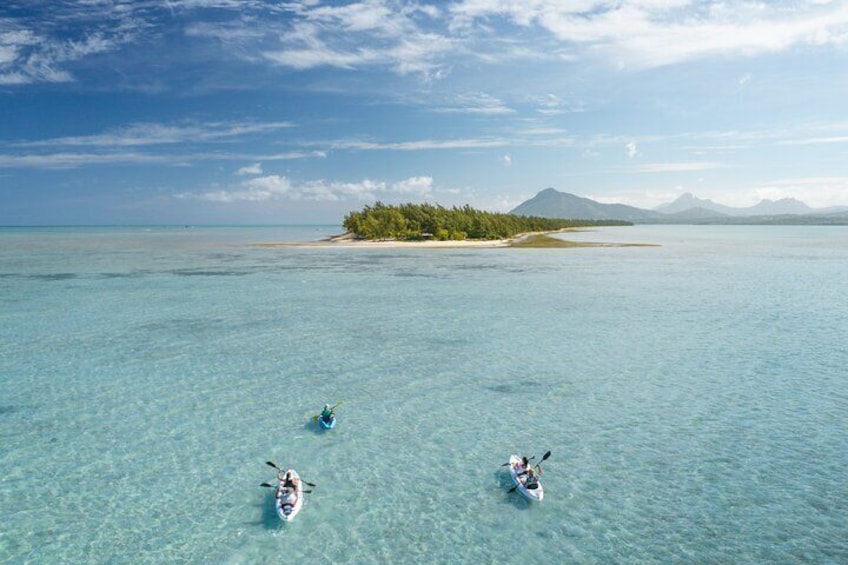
(271, 464)
(538, 466)
(333, 407)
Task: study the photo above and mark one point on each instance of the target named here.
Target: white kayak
(515, 467)
(289, 503)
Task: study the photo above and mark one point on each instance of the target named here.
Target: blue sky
(245, 111)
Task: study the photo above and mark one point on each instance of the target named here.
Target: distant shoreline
(522, 240)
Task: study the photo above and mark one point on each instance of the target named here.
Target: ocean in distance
(694, 396)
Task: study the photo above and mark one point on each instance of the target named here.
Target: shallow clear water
(694, 396)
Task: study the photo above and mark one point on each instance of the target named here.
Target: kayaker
(525, 462)
(327, 413)
(530, 481)
(288, 483)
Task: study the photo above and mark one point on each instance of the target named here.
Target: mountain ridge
(687, 208)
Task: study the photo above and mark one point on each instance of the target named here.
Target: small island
(421, 222)
(431, 225)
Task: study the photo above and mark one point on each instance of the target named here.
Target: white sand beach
(530, 239)
(349, 240)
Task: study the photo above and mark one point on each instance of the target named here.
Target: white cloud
(552, 105)
(632, 151)
(818, 192)
(420, 145)
(408, 36)
(675, 167)
(275, 187)
(254, 190)
(75, 160)
(28, 56)
(638, 33)
(360, 34)
(418, 186)
(817, 140)
(159, 134)
(476, 103)
(67, 160)
(254, 169)
(506, 159)
(322, 55)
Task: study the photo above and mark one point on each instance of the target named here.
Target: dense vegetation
(429, 221)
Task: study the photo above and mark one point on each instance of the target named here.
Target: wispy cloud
(360, 34)
(409, 36)
(815, 191)
(39, 48)
(551, 104)
(162, 134)
(817, 140)
(74, 160)
(276, 187)
(638, 33)
(675, 167)
(68, 160)
(254, 169)
(475, 103)
(420, 145)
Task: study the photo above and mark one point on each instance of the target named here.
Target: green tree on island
(411, 222)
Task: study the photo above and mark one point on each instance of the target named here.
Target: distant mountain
(551, 203)
(687, 209)
(765, 207)
(689, 201)
(694, 214)
(776, 208)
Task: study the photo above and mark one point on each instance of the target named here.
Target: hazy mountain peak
(686, 201)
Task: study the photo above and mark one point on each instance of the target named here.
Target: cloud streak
(277, 187)
(70, 160)
(675, 167)
(162, 134)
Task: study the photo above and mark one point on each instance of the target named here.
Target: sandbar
(524, 240)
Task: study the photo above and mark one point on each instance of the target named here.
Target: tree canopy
(410, 222)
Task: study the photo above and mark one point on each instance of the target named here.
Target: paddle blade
(545, 456)
(271, 464)
(512, 489)
(267, 485)
(310, 484)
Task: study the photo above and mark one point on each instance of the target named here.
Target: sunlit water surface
(694, 396)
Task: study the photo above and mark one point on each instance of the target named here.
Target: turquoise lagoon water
(693, 394)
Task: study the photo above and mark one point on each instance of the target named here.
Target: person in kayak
(525, 462)
(531, 481)
(327, 413)
(288, 484)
